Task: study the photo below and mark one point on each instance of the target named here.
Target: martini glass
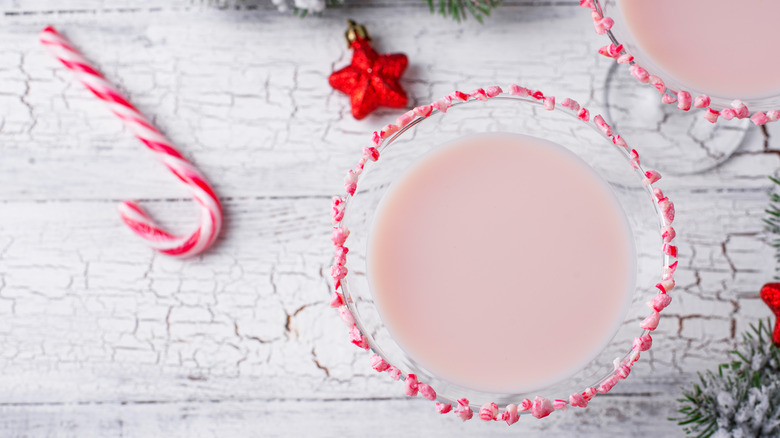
(528, 116)
(710, 49)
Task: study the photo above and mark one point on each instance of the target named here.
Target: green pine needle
(772, 221)
(461, 9)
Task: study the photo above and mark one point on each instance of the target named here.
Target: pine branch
(460, 9)
(742, 397)
(772, 221)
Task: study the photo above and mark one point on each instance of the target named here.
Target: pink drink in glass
(501, 262)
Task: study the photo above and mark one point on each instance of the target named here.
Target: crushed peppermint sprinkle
(540, 407)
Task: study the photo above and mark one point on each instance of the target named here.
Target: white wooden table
(101, 337)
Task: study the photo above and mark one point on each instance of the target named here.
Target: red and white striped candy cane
(131, 212)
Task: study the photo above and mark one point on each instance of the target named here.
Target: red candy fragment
(488, 412)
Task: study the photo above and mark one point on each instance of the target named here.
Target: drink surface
(501, 262)
(721, 47)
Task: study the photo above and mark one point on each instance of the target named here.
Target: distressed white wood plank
(252, 90)
(326, 419)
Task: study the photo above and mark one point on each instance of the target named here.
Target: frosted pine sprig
(741, 398)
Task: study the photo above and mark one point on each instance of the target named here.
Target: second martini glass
(713, 63)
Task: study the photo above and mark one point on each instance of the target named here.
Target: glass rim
(540, 406)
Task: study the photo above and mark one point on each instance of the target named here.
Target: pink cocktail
(498, 253)
(514, 260)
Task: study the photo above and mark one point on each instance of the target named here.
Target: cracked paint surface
(94, 325)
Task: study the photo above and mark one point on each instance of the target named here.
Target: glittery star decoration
(371, 80)
(770, 293)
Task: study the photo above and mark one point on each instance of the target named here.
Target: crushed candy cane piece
(357, 338)
(442, 105)
(583, 114)
(338, 272)
(651, 322)
(337, 209)
(639, 73)
(549, 103)
(759, 118)
(404, 119)
(660, 302)
(339, 235)
(577, 400)
(669, 270)
(463, 410)
(411, 384)
(350, 182)
(426, 391)
(608, 384)
(702, 101)
(668, 99)
(728, 113)
(510, 414)
(395, 373)
(378, 364)
(479, 94)
(461, 96)
(423, 111)
(711, 115)
(605, 128)
(488, 412)
(658, 83)
(541, 407)
(740, 109)
(643, 343)
(346, 316)
(336, 300)
(517, 90)
(340, 256)
(603, 25)
(667, 208)
(493, 91)
(667, 234)
(684, 100)
(651, 176)
(571, 104)
(443, 408)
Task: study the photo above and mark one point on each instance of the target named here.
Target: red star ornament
(770, 293)
(371, 80)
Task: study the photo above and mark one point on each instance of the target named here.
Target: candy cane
(132, 214)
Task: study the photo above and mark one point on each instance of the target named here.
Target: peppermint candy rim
(684, 99)
(539, 407)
